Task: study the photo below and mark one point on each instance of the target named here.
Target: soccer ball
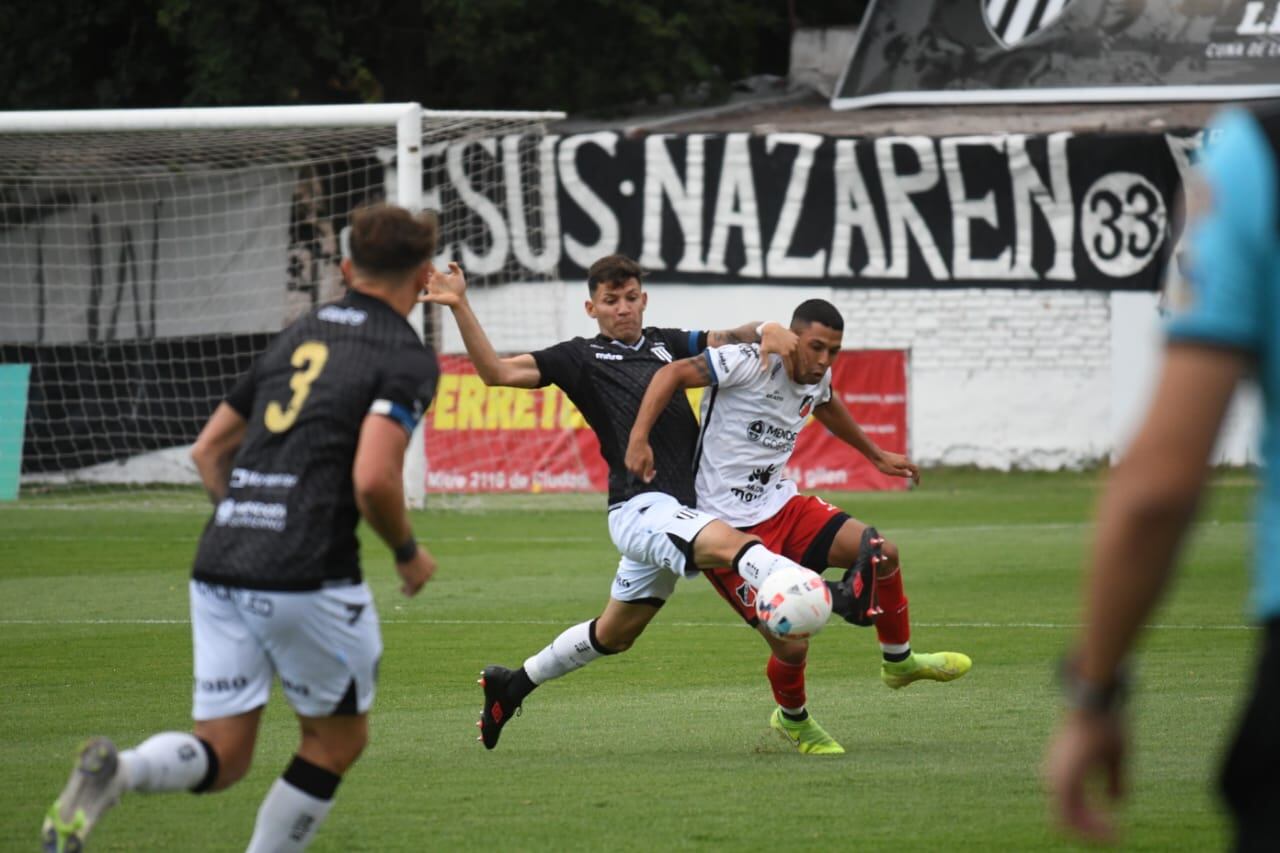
(793, 603)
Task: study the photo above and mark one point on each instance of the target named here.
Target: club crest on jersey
(755, 429)
(806, 405)
(661, 352)
(1014, 21)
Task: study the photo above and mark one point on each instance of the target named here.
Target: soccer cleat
(498, 709)
(853, 597)
(95, 786)
(935, 666)
(806, 736)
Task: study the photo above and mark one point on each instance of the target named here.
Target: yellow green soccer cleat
(95, 786)
(807, 736)
(934, 666)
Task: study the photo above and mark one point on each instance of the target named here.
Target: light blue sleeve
(1231, 245)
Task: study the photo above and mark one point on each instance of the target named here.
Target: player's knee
(794, 652)
(615, 639)
(889, 564)
(234, 762)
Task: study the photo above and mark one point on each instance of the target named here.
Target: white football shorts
(654, 533)
(324, 645)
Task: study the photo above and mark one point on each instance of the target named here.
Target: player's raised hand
(639, 460)
(415, 572)
(1087, 745)
(897, 465)
(777, 338)
(445, 288)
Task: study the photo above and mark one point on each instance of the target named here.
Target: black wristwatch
(1082, 695)
(406, 551)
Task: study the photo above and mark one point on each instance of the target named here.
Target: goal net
(146, 258)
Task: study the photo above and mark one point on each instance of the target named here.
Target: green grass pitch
(666, 747)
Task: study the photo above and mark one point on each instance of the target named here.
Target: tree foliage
(577, 55)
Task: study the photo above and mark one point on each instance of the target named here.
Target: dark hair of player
(817, 311)
(613, 269)
(389, 240)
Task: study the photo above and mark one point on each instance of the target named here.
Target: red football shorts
(802, 530)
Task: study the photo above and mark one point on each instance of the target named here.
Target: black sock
(797, 718)
(897, 657)
(519, 686)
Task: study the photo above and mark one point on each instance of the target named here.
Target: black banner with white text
(1053, 212)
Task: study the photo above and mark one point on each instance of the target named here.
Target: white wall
(999, 378)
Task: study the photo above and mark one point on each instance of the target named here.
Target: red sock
(787, 681)
(893, 627)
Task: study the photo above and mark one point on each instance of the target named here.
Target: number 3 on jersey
(309, 358)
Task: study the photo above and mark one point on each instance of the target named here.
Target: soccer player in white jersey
(659, 536)
(750, 422)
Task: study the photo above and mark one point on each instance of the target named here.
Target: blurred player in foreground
(749, 426)
(310, 440)
(1231, 329)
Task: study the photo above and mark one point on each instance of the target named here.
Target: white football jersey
(750, 421)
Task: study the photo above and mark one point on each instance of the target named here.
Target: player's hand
(415, 573)
(777, 338)
(640, 460)
(446, 288)
(1086, 745)
(897, 465)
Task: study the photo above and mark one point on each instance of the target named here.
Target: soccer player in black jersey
(310, 440)
(661, 538)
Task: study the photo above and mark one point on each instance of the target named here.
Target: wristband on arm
(1100, 699)
(760, 328)
(407, 550)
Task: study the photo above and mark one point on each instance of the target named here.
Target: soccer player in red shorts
(749, 424)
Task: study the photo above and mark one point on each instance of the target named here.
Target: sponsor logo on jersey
(243, 478)
(661, 352)
(806, 405)
(763, 475)
(770, 436)
(343, 316)
(724, 363)
(257, 515)
(608, 356)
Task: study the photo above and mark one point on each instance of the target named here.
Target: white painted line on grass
(1042, 626)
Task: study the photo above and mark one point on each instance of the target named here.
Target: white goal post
(147, 255)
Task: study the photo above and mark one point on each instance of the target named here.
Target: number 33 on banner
(309, 358)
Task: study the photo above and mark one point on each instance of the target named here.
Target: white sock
(573, 649)
(289, 816)
(758, 562)
(169, 761)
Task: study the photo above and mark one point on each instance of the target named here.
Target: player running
(750, 421)
(310, 440)
(660, 537)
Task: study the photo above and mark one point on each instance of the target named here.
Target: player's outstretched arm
(837, 418)
(686, 373)
(450, 289)
(772, 336)
(379, 490)
(216, 447)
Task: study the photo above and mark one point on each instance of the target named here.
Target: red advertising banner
(482, 439)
